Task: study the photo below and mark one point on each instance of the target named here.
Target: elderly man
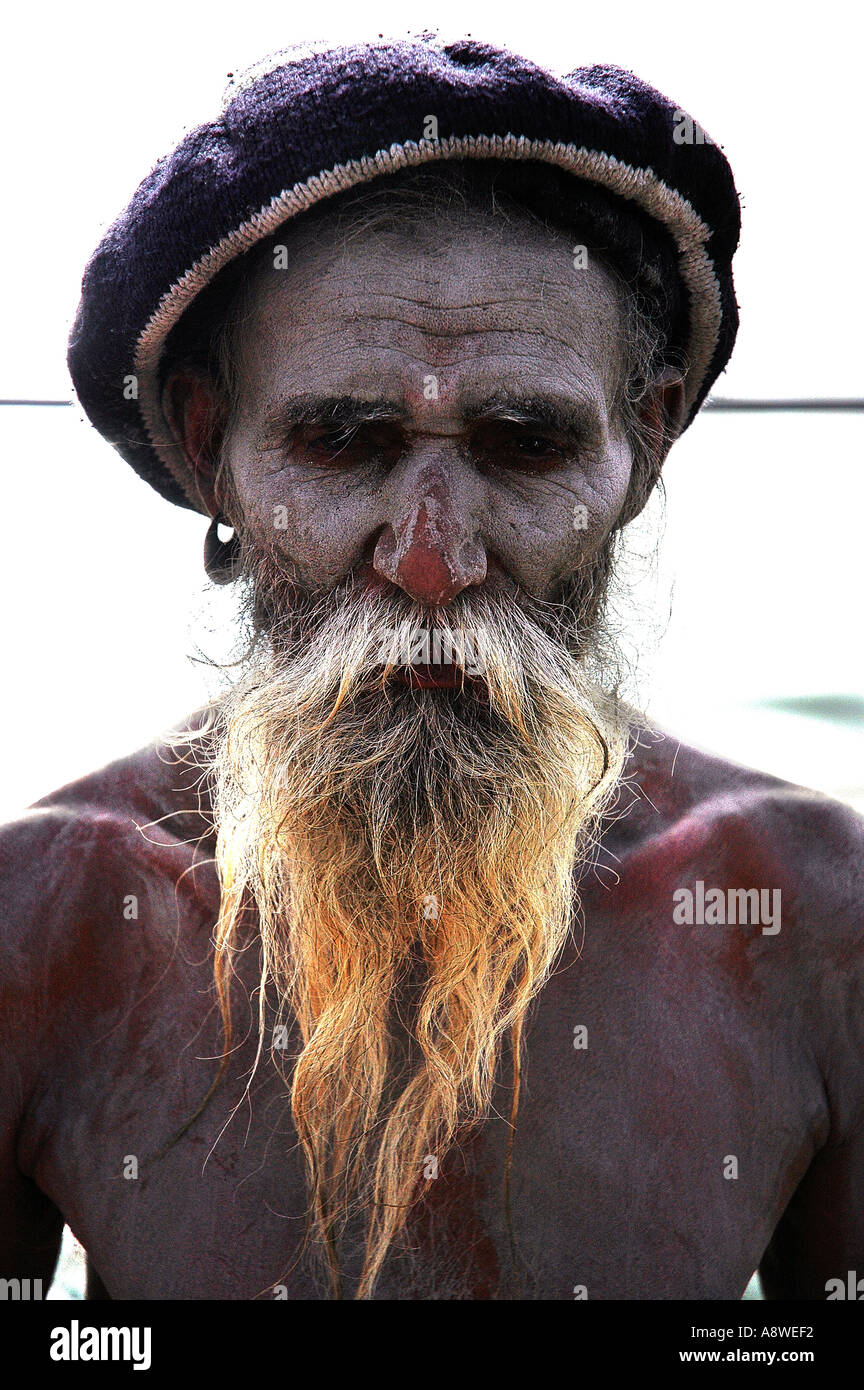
(416, 967)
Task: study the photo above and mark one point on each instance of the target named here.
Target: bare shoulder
(682, 781)
(742, 825)
(159, 782)
(82, 856)
(760, 884)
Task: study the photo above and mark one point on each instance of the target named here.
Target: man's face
(489, 363)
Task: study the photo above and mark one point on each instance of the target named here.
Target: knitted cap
(310, 124)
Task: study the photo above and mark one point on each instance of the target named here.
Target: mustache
(273, 590)
(494, 639)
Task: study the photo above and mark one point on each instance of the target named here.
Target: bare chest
(663, 1124)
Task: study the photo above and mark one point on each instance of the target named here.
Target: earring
(221, 557)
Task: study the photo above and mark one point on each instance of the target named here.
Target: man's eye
(535, 446)
(504, 447)
(352, 445)
(332, 442)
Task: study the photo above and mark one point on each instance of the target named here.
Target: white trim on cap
(642, 185)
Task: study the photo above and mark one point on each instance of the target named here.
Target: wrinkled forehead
(455, 293)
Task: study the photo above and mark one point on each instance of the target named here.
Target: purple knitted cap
(311, 124)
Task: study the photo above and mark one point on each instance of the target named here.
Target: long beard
(410, 855)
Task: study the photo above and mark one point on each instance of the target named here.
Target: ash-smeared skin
(702, 1043)
(382, 319)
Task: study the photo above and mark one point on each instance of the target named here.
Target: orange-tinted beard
(379, 829)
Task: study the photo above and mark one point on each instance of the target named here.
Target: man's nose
(431, 550)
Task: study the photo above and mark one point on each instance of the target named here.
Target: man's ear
(196, 416)
(661, 413)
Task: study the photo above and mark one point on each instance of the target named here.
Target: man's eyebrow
(565, 414)
(314, 408)
(568, 415)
